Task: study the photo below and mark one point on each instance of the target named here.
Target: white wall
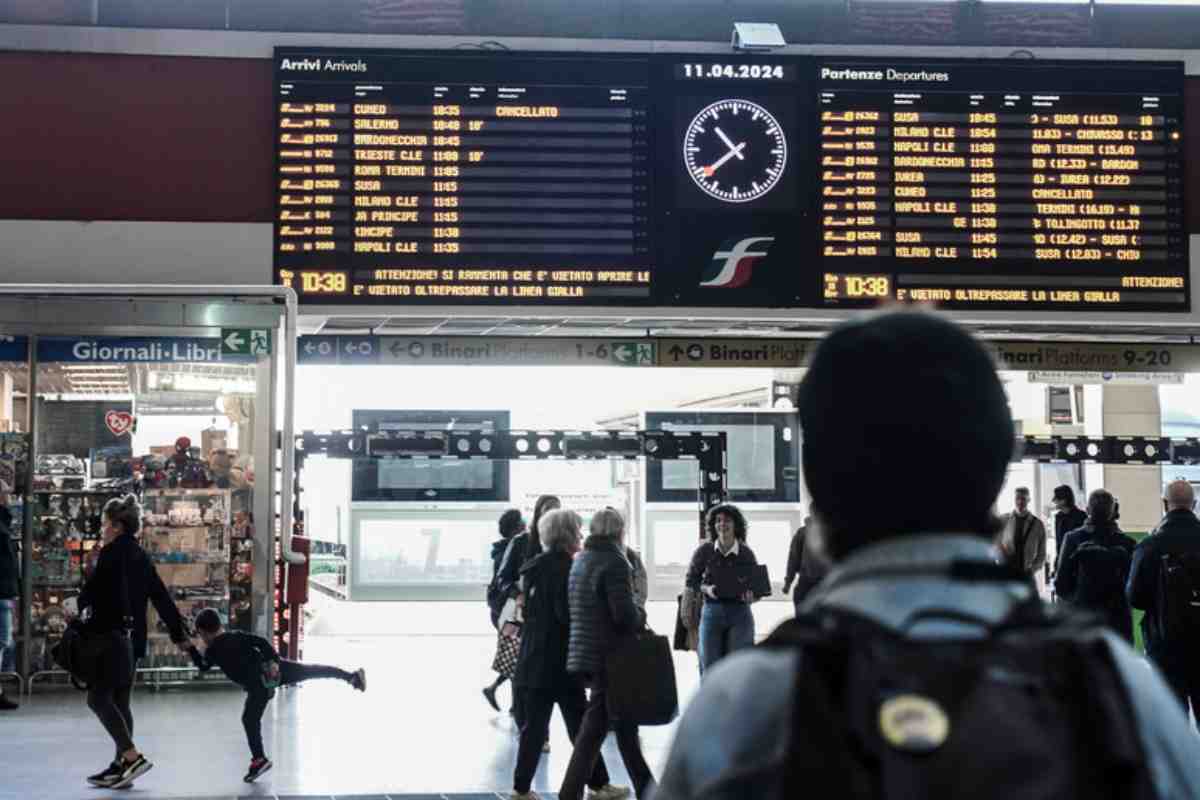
(208, 253)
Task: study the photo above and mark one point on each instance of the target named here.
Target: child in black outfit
(252, 663)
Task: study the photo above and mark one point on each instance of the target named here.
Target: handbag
(641, 687)
(87, 655)
(508, 650)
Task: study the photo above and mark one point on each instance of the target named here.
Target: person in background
(1177, 538)
(1067, 517)
(726, 623)
(113, 603)
(10, 583)
(510, 525)
(602, 610)
(1023, 540)
(251, 662)
(946, 424)
(1095, 565)
(806, 566)
(522, 547)
(542, 667)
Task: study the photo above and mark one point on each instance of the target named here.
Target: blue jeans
(6, 627)
(724, 628)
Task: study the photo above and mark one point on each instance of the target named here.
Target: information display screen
(416, 177)
(489, 178)
(1018, 185)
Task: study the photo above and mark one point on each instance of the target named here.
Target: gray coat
(602, 607)
(748, 698)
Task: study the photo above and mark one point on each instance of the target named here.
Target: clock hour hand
(716, 165)
(730, 144)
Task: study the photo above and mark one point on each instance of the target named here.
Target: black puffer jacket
(547, 628)
(602, 607)
(123, 560)
(10, 566)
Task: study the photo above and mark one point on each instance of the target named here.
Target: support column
(1134, 411)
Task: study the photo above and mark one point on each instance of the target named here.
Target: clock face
(735, 151)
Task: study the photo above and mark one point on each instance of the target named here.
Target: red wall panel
(125, 137)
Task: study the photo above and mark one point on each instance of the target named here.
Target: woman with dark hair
(511, 524)
(521, 548)
(113, 607)
(726, 623)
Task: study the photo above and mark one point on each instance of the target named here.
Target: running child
(252, 663)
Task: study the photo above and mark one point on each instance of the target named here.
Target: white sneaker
(524, 796)
(609, 792)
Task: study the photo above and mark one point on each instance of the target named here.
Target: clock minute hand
(736, 151)
(730, 144)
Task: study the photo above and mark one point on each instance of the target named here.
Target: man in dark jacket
(946, 423)
(602, 610)
(1067, 517)
(542, 666)
(1177, 535)
(805, 565)
(1095, 565)
(10, 574)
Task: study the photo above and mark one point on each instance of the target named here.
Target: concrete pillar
(7, 421)
(1134, 411)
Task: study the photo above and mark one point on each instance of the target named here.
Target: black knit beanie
(906, 429)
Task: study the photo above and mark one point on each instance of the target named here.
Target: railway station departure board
(1003, 185)
(502, 178)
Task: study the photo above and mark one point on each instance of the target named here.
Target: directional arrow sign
(233, 343)
(245, 342)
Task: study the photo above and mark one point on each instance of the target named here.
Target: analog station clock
(735, 151)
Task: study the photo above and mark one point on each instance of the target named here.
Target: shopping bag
(641, 680)
(508, 650)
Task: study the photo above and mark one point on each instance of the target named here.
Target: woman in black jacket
(602, 611)
(726, 623)
(542, 668)
(511, 524)
(113, 605)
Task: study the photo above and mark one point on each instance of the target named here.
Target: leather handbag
(641, 688)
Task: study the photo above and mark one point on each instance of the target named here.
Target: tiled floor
(421, 731)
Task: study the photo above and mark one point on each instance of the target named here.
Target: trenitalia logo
(733, 263)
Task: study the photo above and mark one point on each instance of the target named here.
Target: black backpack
(1101, 571)
(1036, 709)
(1179, 597)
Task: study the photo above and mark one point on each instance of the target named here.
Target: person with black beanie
(908, 404)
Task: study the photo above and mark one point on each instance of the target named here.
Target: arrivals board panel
(500, 178)
(415, 177)
(1014, 185)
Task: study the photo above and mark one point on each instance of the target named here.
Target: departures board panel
(485, 178)
(1014, 184)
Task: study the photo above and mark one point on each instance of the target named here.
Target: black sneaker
(258, 767)
(6, 704)
(359, 680)
(108, 777)
(489, 694)
(131, 771)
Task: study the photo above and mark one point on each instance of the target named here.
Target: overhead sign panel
(581, 179)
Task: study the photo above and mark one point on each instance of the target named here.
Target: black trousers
(109, 695)
(290, 673)
(1182, 674)
(591, 739)
(539, 705)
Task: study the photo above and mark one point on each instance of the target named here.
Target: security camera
(757, 37)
